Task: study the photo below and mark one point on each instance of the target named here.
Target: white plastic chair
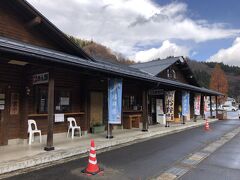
(32, 129)
(72, 126)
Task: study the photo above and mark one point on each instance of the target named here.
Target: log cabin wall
(13, 24)
(178, 102)
(179, 75)
(69, 82)
(12, 77)
(192, 95)
(132, 89)
(132, 107)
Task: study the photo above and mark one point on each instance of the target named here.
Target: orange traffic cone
(206, 128)
(92, 168)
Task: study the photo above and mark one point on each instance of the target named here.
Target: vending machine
(160, 116)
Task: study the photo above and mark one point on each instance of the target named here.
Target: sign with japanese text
(154, 92)
(169, 103)
(40, 78)
(114, 101)
(197, 104)
(59, 117)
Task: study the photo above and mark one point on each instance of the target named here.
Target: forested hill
(101, 52)
(201, 70)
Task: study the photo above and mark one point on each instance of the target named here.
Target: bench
(131, 121)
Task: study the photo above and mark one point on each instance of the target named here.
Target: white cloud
(229, 55)
(167, 49)
(124, 24)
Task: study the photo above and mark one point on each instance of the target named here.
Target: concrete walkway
(21, 156)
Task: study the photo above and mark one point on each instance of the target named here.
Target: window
(62, 101)
(42, 99)
(131, 103)
(171, 74)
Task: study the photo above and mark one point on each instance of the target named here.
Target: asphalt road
(224, 164)
(141, 160)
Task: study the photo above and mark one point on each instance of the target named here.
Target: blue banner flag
(185, 103)
(114, 101)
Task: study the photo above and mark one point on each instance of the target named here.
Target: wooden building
(43, 73)
(175, 69)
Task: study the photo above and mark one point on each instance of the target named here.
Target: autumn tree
(219, 82)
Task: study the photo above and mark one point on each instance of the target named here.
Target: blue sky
(215, 11)
(144, 30)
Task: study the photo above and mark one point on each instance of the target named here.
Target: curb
(54, 156)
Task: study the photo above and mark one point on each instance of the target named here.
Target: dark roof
(119, 65)
(47, 55)
(156, 66)
(159, 65)
(29, 12)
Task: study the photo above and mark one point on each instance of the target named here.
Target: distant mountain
(201, 70)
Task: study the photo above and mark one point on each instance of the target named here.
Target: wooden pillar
(216, 105)
(24, 99)
(4, 115)
(86, 101)
(24, 113)
(49, 146)
(145, 110)
(211, 113)
(202, 106)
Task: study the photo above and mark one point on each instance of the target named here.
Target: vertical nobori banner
(114, 101)
(197, 104)
(205, 104)
(185, 103)
(169, 102)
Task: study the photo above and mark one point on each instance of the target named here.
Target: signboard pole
(109, 131)
(211, 112)
(49, 146)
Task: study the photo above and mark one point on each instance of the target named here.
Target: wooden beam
(86, 104)
(202, 106)
(50, 146)
(6, 115)
(211, 112)
(34, 22)
(216, 105)
(24, 99)
(145, 110)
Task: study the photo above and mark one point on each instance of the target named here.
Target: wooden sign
(40, 78)
(155, 92)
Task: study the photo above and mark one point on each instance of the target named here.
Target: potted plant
(98, 128)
